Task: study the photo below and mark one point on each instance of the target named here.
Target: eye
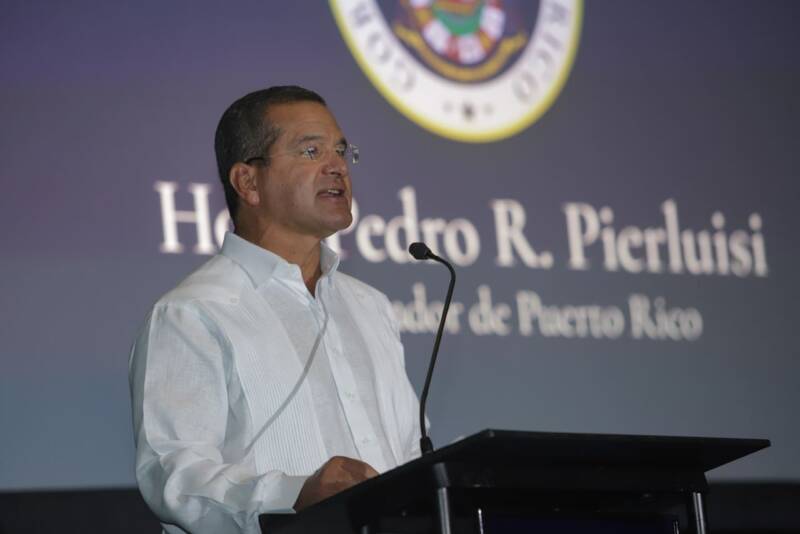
(311, 152)
(341, 150)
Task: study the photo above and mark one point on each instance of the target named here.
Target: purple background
(684, 100)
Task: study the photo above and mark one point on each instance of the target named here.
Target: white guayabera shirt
(243, 384)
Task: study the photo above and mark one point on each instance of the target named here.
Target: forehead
(299, 119)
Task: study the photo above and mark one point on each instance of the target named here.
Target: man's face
(305, 188)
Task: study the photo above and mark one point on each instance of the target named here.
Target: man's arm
(179, 392)
(404, 390)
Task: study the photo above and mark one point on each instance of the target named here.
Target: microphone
(421, 251)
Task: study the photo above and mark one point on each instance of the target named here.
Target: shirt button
(350, 395)
(366, 440)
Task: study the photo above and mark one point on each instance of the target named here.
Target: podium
(510, 482)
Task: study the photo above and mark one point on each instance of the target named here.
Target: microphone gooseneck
(421, 251)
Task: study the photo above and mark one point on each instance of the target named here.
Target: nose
(336, 165)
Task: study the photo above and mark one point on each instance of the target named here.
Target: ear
(243, 180)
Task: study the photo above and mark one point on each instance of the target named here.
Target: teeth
(334, 191)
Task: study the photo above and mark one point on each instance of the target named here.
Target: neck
(301, 250)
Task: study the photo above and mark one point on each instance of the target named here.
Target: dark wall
(734, 508)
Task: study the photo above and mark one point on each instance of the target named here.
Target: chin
(344, 222)
(337, 226)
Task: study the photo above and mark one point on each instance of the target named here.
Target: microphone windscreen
(419, 250)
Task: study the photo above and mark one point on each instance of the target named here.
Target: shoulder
(219, 280)
(370, 298)
(361, 289)
(197, 306)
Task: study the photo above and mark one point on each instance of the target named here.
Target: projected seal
(470, 70)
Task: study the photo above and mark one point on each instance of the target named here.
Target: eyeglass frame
(350, 148)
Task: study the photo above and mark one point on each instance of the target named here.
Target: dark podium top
(526, 461)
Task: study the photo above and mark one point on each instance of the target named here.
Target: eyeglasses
(315, 152)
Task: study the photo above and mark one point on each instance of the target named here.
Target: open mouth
(332, 192)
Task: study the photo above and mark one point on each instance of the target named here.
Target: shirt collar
(261, 265)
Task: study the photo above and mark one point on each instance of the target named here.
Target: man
(267, 380)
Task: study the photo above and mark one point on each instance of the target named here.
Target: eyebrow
(317, 137)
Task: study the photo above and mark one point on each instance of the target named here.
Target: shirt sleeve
(178, 377)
